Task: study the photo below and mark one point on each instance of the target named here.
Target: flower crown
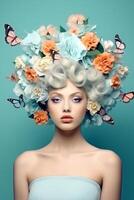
(80, 42)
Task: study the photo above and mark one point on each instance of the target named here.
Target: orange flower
(31, 74)
(90, 40)
(104, 62)
(41, 117)
(115, 81)
(48, 46)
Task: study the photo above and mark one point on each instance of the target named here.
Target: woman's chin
(67, 126)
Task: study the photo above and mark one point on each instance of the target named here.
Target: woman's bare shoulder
(26, 158)
(108, 158)
(107, 154)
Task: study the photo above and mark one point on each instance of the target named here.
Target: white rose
(19, 63)
(41, 65)
(93, 106)
(108, 44)
(122, 71)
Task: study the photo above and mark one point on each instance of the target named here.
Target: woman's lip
(67, 119)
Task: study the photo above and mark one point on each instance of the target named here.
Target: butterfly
(17, 103)
(55, 55)
(105, 117)
(13, 77)
(10, 36)
(120, 45)
(127, 97)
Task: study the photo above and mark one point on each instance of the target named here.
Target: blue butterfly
(17, 103)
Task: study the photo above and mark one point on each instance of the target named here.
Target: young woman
(69, 167)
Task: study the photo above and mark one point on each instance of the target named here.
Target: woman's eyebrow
(61, 93)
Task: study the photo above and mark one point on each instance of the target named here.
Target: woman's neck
(67, 142)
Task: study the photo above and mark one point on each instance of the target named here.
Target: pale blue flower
(96, 120)
(25, 58)
(18, 90)
(31, 38)
(71, 47)
(110, 101)
(86, 62)
(36, 93)
(31, 107)
(31, 43)
(85, 28)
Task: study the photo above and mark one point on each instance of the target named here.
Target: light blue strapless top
(64, 188)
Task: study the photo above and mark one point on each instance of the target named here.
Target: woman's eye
(55, 100)
(78, 99)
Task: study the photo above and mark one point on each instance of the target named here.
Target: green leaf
(93, 53)
(62, 29)
(86, 21)
(41, 54)
(100, 47)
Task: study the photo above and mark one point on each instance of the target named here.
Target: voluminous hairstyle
(91, 80)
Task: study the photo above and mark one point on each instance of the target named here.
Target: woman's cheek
(80, 114)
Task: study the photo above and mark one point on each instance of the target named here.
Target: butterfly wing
(21, 100)
(105, 117)
(108, 119)
(15, 41)
(119, 42)
(120, 46)
(17, 103)
(127, 97)
(10, 36)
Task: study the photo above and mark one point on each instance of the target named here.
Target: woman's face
(69, 100)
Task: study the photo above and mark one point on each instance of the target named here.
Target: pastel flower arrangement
(49, 44)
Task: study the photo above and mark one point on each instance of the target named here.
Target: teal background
(18, 133)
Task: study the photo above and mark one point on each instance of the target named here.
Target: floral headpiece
(79, 42)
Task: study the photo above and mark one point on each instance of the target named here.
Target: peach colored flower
(49, 30)
(48, 46)
(117, 57)
(41, 117)
(115, 81)
(13, 77)
(104, 62)
(90, 40)
(31, 74)
(122, 71)
(74, 29)
(75, 19)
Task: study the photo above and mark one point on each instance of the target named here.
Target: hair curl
(89, 79)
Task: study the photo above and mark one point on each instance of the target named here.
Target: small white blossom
(93, 106)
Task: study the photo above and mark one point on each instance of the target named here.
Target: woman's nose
(66, 107)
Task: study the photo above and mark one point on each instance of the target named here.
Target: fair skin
(69, 153)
